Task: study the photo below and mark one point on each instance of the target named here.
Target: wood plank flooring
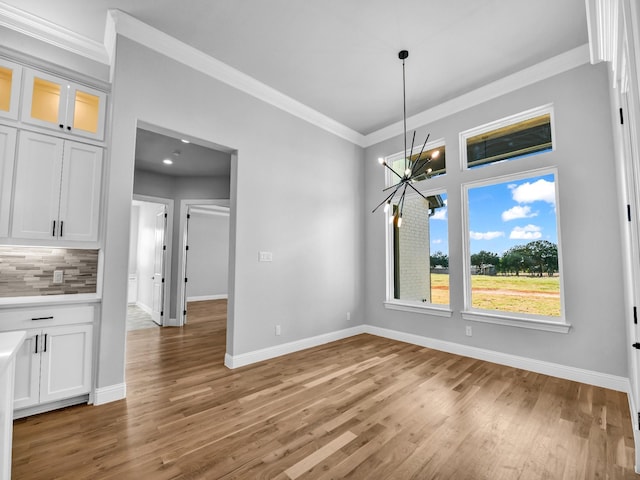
(361, 408)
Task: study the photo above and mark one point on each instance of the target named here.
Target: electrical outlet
(58, 276)
(278, 330)
(468, 331)
(348, 316)
(265, 256)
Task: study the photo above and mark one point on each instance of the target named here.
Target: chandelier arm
(389, 197)
(396, 173)
(423, 145)
(418, 192)
(402, 199)
(427, 160)
(392, 186)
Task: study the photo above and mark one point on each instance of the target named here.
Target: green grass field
(523, 294)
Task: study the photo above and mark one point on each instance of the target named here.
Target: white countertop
(10, 343)
(9, 302)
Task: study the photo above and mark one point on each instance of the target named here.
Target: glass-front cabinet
(10, 76)
(65, 106)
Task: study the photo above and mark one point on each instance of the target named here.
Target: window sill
(517, 321)
(428, 309)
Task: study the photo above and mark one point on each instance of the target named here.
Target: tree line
(535, 258)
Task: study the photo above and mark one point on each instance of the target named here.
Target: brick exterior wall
(415, 280)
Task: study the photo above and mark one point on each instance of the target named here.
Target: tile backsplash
(28, 271)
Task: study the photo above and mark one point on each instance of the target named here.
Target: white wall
(589, 229)
(208, 255)
(296, 190)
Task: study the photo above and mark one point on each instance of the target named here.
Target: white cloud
(485, 235)
(440, 214)
(436, 241)
(540, 190)
(528, 232)
(518, 212)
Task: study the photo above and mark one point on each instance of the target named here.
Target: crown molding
(536, 73)
(48, 32)
(140, 32)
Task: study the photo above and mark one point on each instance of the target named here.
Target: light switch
(265, 256)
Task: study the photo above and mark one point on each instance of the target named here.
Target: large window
(418, 250)
(512, 255)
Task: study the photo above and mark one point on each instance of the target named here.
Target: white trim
(589, 377)
(235, 361)
(514, 320)
(48, 32)
(598, 379)
(159, 41)
(109, 394)
(426, 309)
(48, 407)
(536, 73)
(202, 298)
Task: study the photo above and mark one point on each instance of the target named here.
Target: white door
(66, 362)
(27, 379)
(80, 193)
(37, 187)
(158, 267)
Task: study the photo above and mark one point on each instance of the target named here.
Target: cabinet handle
(61, 126)
(61, 224)
(53, 230)
(43, 318)
(37, 343)
(45, 344)
(69, 128)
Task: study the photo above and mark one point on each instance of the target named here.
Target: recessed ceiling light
(167, 161)
(184, 140)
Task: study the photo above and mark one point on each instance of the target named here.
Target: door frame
(166, 290)
(185, 205)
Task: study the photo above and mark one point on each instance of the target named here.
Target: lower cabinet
(54, 363)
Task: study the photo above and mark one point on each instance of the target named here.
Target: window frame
(427, 188)
(523, 320)
(501, 123)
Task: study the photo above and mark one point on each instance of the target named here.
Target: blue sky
(504, 215)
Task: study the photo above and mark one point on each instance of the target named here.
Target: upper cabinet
(10, 76)
(68, 107)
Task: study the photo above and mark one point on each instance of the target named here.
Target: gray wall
(208, 256)
(589, 223)
(296, 190)
(178, 188)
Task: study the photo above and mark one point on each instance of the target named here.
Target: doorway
(149, 262)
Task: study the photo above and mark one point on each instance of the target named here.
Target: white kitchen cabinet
(10, 76)
(57, 189)
(7, 156)
(65, 106)
(54, 364)
(55, 360)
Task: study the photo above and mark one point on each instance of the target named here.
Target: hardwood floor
(362, 408)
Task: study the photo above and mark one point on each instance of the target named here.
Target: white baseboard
(111, 393)
(612, 382)
(202, 298)
(145, 308)
(235, 361)
(171, 322)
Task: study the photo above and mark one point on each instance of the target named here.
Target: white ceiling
(339, 57)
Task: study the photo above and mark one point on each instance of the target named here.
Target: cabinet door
(27, 379)
(86, 112)
(45, 100)
(66, 362)
(7, 155)
(37, 186)
(80, 192)
(10, 75)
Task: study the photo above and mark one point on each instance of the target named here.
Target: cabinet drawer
(27, 318)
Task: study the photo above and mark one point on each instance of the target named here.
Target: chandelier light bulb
(399, 222)
(381, 161)
(387, 206)
(435, 154)
(391, 218)
(429, 170)
(407, 172)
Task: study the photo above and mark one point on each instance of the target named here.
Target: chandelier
(414, 166)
